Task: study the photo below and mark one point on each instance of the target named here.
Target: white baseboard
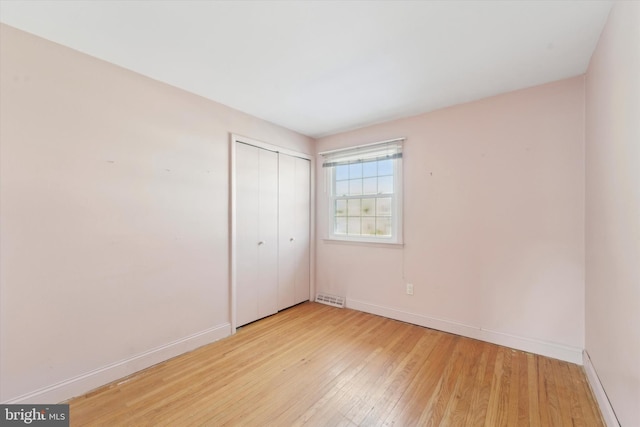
(596, 386)
(81, 384)
(556, 351)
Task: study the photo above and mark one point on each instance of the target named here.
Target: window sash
(376, 217)
(395, 211)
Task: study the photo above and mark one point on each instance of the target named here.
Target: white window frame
(396, 237)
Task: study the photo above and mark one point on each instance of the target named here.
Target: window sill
(363, 243)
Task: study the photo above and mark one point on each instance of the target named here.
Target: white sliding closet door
(256, 233)
(294, 230)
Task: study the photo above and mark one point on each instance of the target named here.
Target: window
(365, 192)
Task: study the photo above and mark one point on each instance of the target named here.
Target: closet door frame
(233, 142)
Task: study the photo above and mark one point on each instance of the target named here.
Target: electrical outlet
(409, 289)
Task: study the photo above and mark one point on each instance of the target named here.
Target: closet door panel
(302, 224)
(286, 220)
(268, 234)
(272, 232)
(247, 236)
(294, 220)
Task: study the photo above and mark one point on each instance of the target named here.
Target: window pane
(353, 226)
(354, 207)
(383, 206)
(341, 208)
(342, 172)
(369, 169)
(355, 170)
(355, 187)
(342, 188)
(368, 207)
(385, 185)
(385, 167)
(370, 186)
(383, 226)
(369, 226)
(341, 225)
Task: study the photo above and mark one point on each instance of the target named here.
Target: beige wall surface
(114, 218)
(613, 211)
(493, 222)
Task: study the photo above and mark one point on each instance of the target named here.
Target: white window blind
(363, 153)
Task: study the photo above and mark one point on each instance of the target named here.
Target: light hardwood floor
(319, 365)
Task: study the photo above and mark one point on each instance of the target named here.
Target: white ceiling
(321, 67)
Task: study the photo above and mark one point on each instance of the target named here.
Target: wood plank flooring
(322, 366)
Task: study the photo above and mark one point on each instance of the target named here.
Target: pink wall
(493, 217)
(114, 218)
(613, 211)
